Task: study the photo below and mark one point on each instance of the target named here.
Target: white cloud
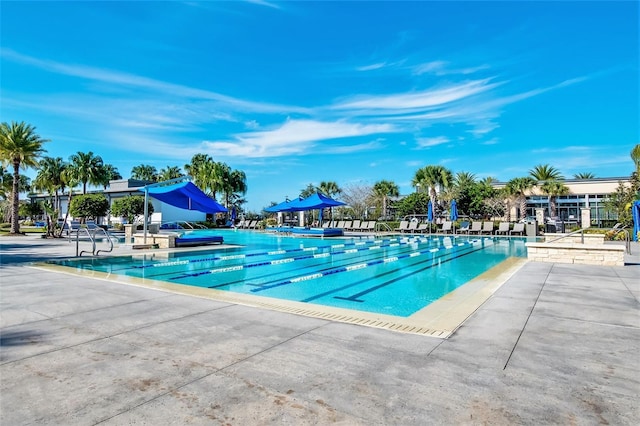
(423, 143)
(297, 137)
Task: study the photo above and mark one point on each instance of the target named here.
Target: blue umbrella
(233, 214)
(454, 210)
(636, 219)
(430, 212)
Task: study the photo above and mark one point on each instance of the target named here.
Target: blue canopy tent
(453, 214)
(635, 211)
(312, 202)
(184, 195)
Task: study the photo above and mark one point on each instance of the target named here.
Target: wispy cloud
(423, 143)
(131, 80)
(296, 137)
(441, 68)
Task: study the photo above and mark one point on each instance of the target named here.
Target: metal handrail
(92, 238)
(383, 225)
(581, 231)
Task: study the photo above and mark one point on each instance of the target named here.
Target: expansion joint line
(527, 321)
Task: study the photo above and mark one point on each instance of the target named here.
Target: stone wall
(584, 254)
(164, 240)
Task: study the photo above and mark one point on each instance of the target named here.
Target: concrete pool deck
(556, 344)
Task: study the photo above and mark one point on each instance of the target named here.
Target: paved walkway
(557, 344)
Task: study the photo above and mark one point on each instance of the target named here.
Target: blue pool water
(395, 275)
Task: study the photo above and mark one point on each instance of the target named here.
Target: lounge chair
(355, 226)
(340, 224)
(413, 226)
(446, 228)
(72, 227)
(464, 227)
(518, 228)
(371, 226)
(347, 224)
(476, 228)
(503, 228)
(487, 227)
(364, 225)
(404, 224)
(423, 228)
(251, 224)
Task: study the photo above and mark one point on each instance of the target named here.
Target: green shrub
(89, 206)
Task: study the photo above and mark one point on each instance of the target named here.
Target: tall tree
(309, 190)
(236, 188)
(197, 169)
(170, 172)
(49, 179)
(329, 188)
(384, 189)
(433, 177)
(553, 189)
(518, 187)
(20, 146)
(545, 172)
(108, 173)
(86, 168)
(144, 172)
(584, 175)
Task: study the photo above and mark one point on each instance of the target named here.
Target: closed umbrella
(454, 210)
(430, 212)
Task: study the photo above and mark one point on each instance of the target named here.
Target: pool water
(394, 275)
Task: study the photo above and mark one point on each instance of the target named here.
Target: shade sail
(186, 196)
(317, 201)
(312, 202)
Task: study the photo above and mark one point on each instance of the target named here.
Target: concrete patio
(556, 344)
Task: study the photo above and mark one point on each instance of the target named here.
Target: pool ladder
(92, 233)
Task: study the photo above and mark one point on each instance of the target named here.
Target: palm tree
(86, 168)
(545, 172)
(20, 146)
(144, 172)
(170, 172)
(384, 189)
(517, 187)
(553, 189)
(584, 175)
(434, 178)
(309, 190)
(330, 188)
(108, 173)
(237, 186)
(49, 178)
(197, 169)
(635, 156)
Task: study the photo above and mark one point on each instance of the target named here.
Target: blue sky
(294, 93)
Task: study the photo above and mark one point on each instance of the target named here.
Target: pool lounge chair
(364, 225)
(503, 228)
(404, 224)
(464, 227)
(371, 226)
(72, 227)
(487, 227)
(413, 226)
(355, 226)
(518, 228)
(423, 228)
(347, 224)
(476, 228)
(446, 228)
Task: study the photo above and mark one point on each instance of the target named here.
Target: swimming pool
(394, 275)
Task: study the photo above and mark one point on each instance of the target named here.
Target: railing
(627, 237)
(383, 226)
(579, 231)
(91, 234)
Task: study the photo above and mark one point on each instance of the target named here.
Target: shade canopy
(312, 202)
(186, 196)
(453, 215)
(636, 219)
